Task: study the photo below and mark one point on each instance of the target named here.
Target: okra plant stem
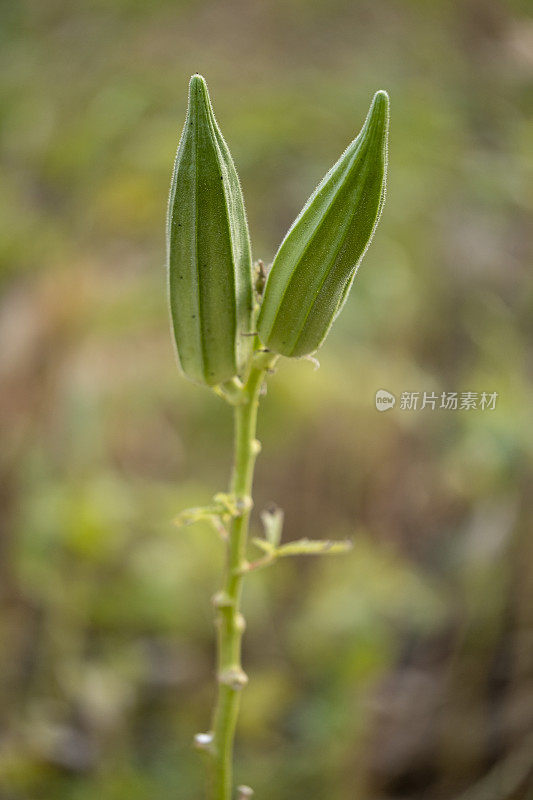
(230, 320)
(230, 622)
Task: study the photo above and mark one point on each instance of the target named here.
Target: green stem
(230, 622)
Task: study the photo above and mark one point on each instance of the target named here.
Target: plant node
(234, 677)
(204, 741)
(222, 600)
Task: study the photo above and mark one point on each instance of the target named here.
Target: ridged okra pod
(316, 263)
(208, 251)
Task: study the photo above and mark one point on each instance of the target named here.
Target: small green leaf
(263, 545)
(317, 261)
(300, 547)
(200, 514)
(313, 547)
(272, 519)
(224, 508)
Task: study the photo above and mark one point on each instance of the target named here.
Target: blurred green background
(403, 670)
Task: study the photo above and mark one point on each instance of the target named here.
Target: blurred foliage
(402, 670)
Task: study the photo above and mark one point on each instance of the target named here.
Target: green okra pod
(316, 263)
(208, 251)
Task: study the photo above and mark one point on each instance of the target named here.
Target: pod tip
(378, 115)
(381, 98)
(197, 80)
(198, 91)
